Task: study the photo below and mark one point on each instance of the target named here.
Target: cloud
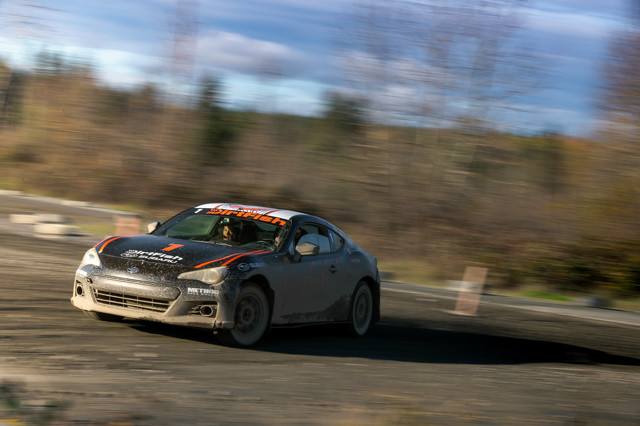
(516, 117)
(572, 23)
(250, 10)
(610, 8)
(283, 48)
(229, 52)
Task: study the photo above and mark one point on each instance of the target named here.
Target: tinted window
(337, 242)
(245, 229)
(191, 227)
(313, 229)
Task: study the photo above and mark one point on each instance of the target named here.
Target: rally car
(235, 269)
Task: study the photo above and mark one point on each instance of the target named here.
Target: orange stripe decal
(102, 241)
(244, 254)
(231, 258)
(212, 261)
(106, 242)
(172, 246)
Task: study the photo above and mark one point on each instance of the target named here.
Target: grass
(409, 271)
(423, 273)
(99, 230)
(533, 291)
(627, 304)
(18, 409)
(545, 295)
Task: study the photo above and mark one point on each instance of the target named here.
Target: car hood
(171, 251)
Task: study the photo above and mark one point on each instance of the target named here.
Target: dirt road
(420, 365)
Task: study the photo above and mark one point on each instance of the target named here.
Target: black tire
(361, 312)
(101, 316)
(251, 318)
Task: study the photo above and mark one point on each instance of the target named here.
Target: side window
(309, 229)
(312, 229)
(302, 230)
(337, 242)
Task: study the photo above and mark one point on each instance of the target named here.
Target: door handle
(333, 269)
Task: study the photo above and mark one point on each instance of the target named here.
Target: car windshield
(230, 227)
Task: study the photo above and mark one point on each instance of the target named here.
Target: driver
(230, 233)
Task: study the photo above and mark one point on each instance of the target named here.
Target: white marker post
(470, 290)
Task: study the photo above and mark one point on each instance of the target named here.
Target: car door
(314, 286)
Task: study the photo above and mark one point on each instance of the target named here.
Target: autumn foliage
(540, 208)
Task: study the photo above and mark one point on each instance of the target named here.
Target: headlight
(210, 276)
(91, 258)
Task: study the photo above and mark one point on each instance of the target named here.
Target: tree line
(433, 194)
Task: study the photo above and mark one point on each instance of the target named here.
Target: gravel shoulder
(509, 364)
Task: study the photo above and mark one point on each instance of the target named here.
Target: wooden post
(127, 226)
(470, 291)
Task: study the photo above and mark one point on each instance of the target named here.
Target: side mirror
(153, 226)
(307, 249)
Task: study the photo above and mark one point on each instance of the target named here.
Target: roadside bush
(16, 407)
(593, 265)
(513, 264)
(567, 274)
(582, 267)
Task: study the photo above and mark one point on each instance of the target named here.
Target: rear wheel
(102, 316)
(251, 318)
(361, 313)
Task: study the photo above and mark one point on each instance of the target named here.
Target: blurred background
(439, 134)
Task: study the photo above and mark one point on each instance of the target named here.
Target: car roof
(267, 211)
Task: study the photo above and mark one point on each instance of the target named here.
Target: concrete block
(28, 219)
(51, 218)
(593, 301)
(55, 229)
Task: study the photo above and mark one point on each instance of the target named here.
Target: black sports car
(235, 269)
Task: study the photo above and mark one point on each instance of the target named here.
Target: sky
(281, 55)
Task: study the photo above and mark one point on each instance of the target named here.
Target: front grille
(129, 301)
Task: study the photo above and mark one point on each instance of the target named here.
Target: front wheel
(251, 318)
(361, 313)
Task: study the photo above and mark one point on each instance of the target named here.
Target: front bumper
(180, 302)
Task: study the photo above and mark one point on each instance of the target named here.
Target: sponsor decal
(202, 291)
(244, 267)
(257, 216)
(150, 255)
(253, 209)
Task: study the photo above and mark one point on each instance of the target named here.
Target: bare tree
(618, 162)
(620, 97)
(418, 59)
(25, 19)
(183, 27)
(438, 64)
